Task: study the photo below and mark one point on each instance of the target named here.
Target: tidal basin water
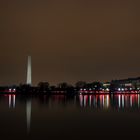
(63, 117)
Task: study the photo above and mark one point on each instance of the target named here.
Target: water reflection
(126, 101)
(120, 101)
(102, 102)
(97, 101)
(106, 101)
(12, 101)
(28, 114)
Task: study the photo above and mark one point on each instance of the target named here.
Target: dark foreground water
(78, 117)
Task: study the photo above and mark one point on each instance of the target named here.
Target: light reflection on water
(122, 101)
(12, 101)
(60, 103)
(96, 101)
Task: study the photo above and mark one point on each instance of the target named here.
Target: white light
(107, 100)
(9, 101)
(123, 101)
(119, 100)
(119, 89)
(122, 89)
(84, 89)
(107, 89)
(14, 101)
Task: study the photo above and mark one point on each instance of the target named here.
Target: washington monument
(29, 71)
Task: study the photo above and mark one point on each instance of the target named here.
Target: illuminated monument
(28, 103)
(29, 71)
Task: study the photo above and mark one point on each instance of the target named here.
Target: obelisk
(29, 71)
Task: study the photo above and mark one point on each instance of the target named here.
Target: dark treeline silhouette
(46, 88)
(125, 85)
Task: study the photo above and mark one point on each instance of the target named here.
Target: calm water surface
(62, 117)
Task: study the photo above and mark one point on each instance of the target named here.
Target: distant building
(106, 85)
(130, 83)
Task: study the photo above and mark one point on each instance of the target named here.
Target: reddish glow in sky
(69, 40)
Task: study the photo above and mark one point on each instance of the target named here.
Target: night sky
(69, 40)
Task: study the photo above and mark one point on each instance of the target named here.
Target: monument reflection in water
(62, 115)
